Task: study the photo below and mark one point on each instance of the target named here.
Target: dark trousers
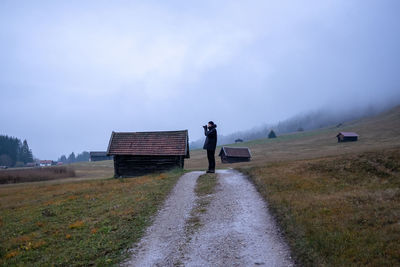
(211, 159)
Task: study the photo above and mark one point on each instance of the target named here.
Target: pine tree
(272, 134)
(71, 158)
(5, 160)
(84, 156)
(25, 154)
(17, 152)
(63, 159)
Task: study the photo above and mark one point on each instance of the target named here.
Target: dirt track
(237, 229)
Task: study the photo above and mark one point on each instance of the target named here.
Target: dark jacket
(211, 138)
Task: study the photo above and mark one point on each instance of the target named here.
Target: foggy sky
(71, 72)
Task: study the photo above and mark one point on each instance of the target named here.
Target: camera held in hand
(205, 127)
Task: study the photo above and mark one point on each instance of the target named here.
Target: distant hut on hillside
(234, 154)
(347, 137)
(99, 156)
(239, 140)
(139, 153)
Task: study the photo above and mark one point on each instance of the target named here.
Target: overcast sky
(71, 72)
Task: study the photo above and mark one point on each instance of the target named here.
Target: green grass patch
(78, 224)
(337, 211)
(204, 189)
(206, 184)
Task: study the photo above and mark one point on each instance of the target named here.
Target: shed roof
(165, 143)
(348, 134)
(236, 152)
(98, 153)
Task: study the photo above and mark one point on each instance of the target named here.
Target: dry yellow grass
(83, 171)
(97, 169)
(338, 203)
(24, 175)
(337, 211)
(77, 223)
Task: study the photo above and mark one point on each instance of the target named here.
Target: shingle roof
(168, 143)
(348, 134)
(236, 152)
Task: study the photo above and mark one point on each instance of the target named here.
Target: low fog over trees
(302, 122)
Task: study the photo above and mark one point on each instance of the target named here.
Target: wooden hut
(347, 137)
(99, 156)
(234, 154)
(139, 153)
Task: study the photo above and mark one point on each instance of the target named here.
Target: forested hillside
(13, 152)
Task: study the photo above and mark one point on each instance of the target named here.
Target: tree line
(13, 152)
(84, 156)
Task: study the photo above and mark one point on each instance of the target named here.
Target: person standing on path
(210, 144)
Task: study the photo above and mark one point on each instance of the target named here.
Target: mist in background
(312, 120)
(72, 72)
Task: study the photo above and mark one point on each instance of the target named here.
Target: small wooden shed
(139, 153)
(347, 137)
(234, 154)
(99, 156)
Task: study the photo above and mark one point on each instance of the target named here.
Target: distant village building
(139, 153)
(347, 137)
(45, 163)
(234, 154)
(239, 140)
(99, 156)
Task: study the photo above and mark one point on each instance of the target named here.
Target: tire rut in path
(163, 240)
(237, 229)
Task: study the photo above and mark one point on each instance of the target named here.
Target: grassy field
(81, 171)
(77, 223)
(24, 175)
(338, 203)
(379, 132)
(94, 170)
(337, 211)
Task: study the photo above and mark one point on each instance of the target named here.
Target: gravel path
(237, 229)
(162, 241)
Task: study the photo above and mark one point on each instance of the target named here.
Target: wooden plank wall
(125, 166)
(226, 159)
